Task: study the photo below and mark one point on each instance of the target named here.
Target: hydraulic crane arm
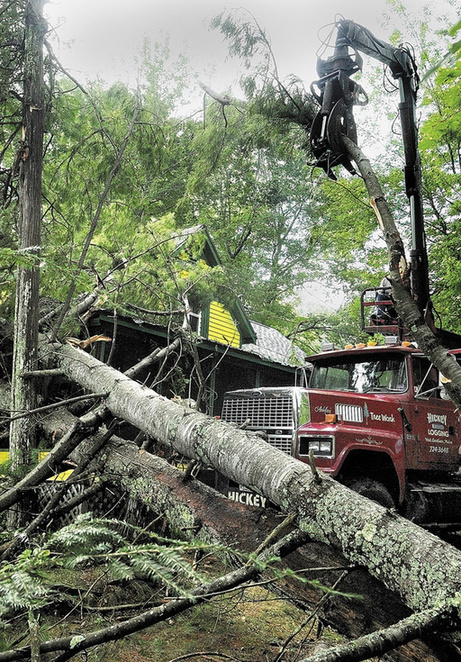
(397, 59)
(337, 94)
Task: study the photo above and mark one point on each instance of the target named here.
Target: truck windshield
(362, 375)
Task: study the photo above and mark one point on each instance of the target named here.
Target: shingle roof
(274, 346)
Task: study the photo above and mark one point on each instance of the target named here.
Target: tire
(371, 489)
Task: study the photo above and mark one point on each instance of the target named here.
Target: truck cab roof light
(328, 347)
(391, 340)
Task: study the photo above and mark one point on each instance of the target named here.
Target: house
(233, 351)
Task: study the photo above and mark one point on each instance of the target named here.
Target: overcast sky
(106, 34)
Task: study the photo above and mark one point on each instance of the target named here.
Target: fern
(99, 541)
(120, 570)
(21, 583)
(135, 553)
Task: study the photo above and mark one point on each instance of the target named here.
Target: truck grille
(263, 413)
(280, 441)
(273, 415)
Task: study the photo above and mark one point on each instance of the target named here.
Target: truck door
(432, 441)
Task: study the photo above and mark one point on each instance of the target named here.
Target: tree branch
(383, 641)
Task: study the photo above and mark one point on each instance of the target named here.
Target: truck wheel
(372, 489)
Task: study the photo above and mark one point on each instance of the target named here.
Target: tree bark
(416, 564)
(23, 392)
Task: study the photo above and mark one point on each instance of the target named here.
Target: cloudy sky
(103, 36)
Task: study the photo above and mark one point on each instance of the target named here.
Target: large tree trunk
(416, 564)
(23, 397)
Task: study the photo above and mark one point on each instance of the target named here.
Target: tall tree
(29, 160)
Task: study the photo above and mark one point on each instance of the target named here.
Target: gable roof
(209, 251)
(212, 259)
(258, 339)
(274, 346)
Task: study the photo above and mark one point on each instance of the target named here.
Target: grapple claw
(327, 134)
(337, 94)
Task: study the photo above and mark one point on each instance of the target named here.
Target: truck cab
(379, 421)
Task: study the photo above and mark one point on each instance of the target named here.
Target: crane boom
(337, 94)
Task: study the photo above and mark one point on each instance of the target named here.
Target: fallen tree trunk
(197, 511)
(414, 563)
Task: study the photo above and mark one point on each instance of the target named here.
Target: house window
(194, 321)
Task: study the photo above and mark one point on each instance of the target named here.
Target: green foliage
(11, 74)
(241, 170)
(89, 132)
(247, 40)
(88, 541)
(250, 187)
(345, 326)
(21, 584)
(124, 552)
(441, 148)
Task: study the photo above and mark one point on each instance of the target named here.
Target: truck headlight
(321, 446)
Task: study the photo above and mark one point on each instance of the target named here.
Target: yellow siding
(221, 326)
(64, 475)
